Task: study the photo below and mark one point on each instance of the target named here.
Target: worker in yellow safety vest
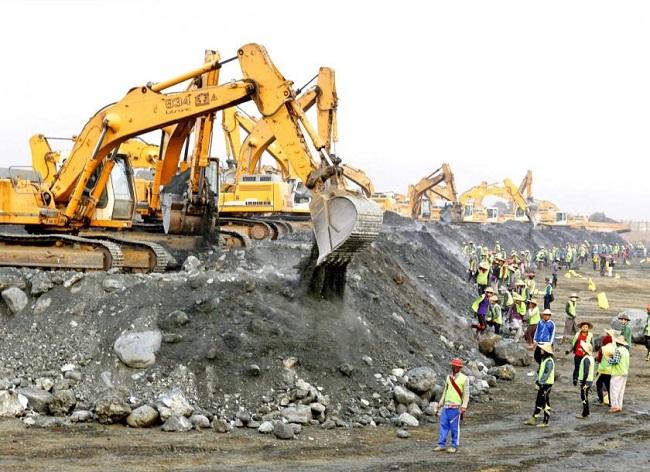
(451, 407)
(545, 380)
(620, 363)
(586, 375)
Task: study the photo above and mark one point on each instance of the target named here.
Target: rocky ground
(230, 343)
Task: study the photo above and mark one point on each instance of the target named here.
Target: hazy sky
(492, 87)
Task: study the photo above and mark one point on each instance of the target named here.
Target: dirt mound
(238, 334)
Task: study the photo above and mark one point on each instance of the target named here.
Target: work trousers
(602, 386)
(617, 383)
(543, 403)
(530, 332)
(585, 388)
(647, 343)
(449, 423)
(576, 369)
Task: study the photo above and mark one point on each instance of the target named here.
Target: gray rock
(177, 424)
(503, 372)
(367, 360)
(41, 283)
(113, 284)
(144, 416)
(404, 396)
(12, 404)
(192, 263)
(414, 410)
(431, 409)
(243, 416)
(317, 408)
(253, 370)
(328, 424)
(178, 318)
(15, 299)
(487, 342)
(73, 375)
(49, 422)
(403, 434)
(638, 322)
(421, 379)
(199, 421)
(11, 277)
(297, 414)
(283, 430)
(112, 407)
(37, 399)
(172, 338)
(346, 369)
(138, 349)
(173, 403)
(63, 401)
(297, 428)
(42, 304)
(220, 425)
(509, 351)
(81, 416)
(408, 420)
(265, 428)
(253, 424)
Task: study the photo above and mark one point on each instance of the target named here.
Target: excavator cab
(118, 200)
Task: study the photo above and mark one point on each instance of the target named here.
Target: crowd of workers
(507, 302)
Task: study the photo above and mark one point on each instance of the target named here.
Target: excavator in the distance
(94, 187)
(439, 185)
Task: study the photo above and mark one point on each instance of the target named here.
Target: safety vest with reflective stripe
(623, 366)
(482, 277)
(542, 367)
(451, 395)
(534, 316)
(570, 309)
(590, 374)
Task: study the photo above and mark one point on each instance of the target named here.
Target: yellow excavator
(94, 186)
(439, 185)
(474, 210)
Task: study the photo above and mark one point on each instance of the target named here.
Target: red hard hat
(457, 362)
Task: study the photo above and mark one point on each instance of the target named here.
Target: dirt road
(493, 436)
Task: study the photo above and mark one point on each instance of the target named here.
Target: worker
(533, 317)
(626, 330)
(530, 284)
(570, 320)
(495, 316)
(586, 374)
(544, 334)
(603, 382)
(548, 294)
(481, 306)
(452, 406)
(516, 315)
(521, 289)
(647, 334)
(544, 382)
(584, 335)
(554, 270)
(482, 277)
(620, 363)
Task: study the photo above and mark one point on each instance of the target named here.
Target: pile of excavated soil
(238, 331)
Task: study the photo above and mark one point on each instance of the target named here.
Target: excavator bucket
(344, 223)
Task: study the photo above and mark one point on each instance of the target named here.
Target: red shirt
(581, 337)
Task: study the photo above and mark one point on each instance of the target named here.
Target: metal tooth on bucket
(344, 224)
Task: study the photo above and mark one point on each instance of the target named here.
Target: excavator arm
(431, 187)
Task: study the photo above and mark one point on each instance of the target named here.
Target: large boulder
(173, 403)
(112, 407)
(638, 323)
(11, 277)
(63, 402)
(177, 424)
(297, 414)
(503, 372)
(38, 399)
(12, 404)
(138, 349)
(487, 342)
(421, 379)
(404, 395)
(509, 351)
(142, 417)
(15, 299)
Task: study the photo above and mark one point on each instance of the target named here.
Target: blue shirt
(545, 332)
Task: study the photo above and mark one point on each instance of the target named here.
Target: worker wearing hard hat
(481, 306)
(482, 277)
(606, 351)
(544, 382)
(584, 335)
(544, 334)
(452, 405)
(586, 375)
(620, 363)
(533, 317)
(626, 331)
(495, 314)
(570, 312)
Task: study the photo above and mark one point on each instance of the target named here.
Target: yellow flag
(568, 275)
(591, 285)
(603, 304)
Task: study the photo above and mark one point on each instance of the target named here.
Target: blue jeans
(449, 422)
